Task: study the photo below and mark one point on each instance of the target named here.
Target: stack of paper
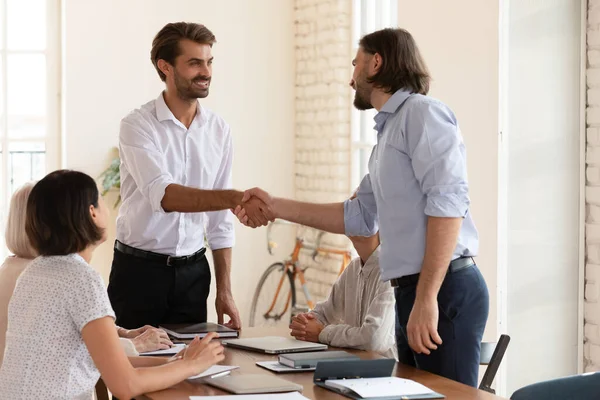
(168, 352)
(380, 387)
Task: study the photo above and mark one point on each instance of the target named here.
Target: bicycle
(273, 307)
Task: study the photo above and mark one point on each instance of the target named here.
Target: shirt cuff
(157, 193)
(221, 240)
(354, 221)
(447, 205)
(325, 333)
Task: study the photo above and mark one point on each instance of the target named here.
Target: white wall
(543, 189)
(108, 73)
(462, 55)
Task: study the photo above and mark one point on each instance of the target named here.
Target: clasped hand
(256, 208)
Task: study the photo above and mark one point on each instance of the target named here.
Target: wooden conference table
(246, 360)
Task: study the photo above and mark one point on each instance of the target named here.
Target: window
(369, 16)
(29, 95)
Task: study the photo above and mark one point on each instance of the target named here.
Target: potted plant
(111, 178)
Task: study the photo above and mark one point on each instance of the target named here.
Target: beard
(362, 97)
(187, 89)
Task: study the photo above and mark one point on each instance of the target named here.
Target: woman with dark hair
(61, 332)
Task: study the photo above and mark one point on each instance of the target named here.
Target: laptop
(274, 345)
(253, 383)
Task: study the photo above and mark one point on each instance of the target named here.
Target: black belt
(172, 261)
(455, 266)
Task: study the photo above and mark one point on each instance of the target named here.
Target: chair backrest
(491, 355)
(576, 387)
(101, 390)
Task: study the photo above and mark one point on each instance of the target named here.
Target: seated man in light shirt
(359, 312)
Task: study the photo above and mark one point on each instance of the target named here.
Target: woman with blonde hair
(18, 244)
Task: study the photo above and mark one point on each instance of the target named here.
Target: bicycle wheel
(274, 297)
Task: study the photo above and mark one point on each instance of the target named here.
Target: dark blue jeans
(463, 303)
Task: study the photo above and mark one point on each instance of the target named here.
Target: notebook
(274, 345)
(310, 359)
(190, 331)
(277, 367)
(253, 383)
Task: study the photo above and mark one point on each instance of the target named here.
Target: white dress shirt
(157, 150)
(359, 312)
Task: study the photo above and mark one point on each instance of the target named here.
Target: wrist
(234, 198)
(189, 365)
(124, 333)
(139, 346)
(276, 206)
(426, 297)
(224, 292)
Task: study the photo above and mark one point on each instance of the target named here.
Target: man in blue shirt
(416, 196)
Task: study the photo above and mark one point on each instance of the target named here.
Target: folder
(190, 331)
(369, 380)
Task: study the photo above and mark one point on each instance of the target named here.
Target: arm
(308, 326)
(224, 303)
(221, 238)
(121, 378)
(147, 166)
(376, 328)
(439, 162)
(326, 217)
(354, 217)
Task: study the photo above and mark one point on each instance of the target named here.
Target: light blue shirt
(417, 169)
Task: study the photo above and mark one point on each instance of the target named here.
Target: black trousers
(463, 303)
(144, 292)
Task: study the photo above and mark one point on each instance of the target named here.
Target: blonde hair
(16, 237)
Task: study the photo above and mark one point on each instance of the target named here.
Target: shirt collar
(163, 112)
(371, 264)
(389, 108)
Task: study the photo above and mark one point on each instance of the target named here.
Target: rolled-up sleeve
(220, 229)
(438, 159)
(360, 213)
(145, 163)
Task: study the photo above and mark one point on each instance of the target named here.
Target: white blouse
(45, 356)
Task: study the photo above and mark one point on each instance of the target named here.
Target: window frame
(52, 138)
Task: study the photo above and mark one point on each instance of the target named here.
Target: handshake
(257, 208)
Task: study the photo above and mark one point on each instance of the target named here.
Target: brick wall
(592, 269)
(323, 113)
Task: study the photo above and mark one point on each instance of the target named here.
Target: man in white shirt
(176, 160)
(359, 311)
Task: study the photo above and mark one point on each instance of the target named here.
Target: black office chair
(491, 355)
(576, 387)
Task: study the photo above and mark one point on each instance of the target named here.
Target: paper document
(380, 387)
(276, 366)
(168, 352)
(274, 396)
(215, 371)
